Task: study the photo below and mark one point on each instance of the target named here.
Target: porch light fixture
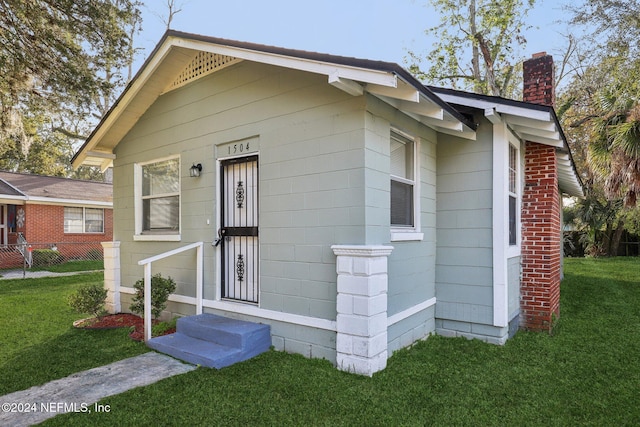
(195, 170)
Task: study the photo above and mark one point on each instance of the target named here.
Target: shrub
(89, 299)
(161, 288)
(44, 257)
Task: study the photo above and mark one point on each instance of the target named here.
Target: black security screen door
(239, 231)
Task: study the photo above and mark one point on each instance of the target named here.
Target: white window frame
(140, 234)
(84, 220)
(513, 249)
(408, 233)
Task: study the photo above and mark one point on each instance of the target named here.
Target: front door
(239, 231)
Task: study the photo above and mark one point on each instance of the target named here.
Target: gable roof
(182, 57)
(20, 188)
(529, 122)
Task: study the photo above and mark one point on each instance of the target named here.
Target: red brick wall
(541, 227)
(45, 224)
(541, 231)
(44, 227)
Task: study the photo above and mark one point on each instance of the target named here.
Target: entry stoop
(214, 341)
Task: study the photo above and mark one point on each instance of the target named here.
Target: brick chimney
(541, 224)
(538, 75)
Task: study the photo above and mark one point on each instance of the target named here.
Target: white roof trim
(528, 124)
(383, 78)
(154, 79)
(67, 202)
(12, 200)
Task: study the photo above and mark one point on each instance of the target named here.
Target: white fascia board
(12, 200)
(525, 130)
(423, 108)
(383, 78)
(106, 165)
(549, 126)
(493, 116)
(464, 134)
(67, 202)
(443, 124)
(100, 154)
(346, 85)
(558, 143)
(403, 92)
(529, 113)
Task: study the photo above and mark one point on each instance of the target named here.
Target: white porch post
(361, 342)
(111, 252)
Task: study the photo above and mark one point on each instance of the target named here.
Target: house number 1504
(240, 147)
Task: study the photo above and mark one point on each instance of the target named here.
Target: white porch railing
(147, 281)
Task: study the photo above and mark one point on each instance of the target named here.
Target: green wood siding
(311, 167)
(411, 264)
(464, 278)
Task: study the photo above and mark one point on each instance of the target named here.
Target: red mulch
(120, 320)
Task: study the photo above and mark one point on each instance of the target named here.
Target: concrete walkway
(79, 392)
(19, 274)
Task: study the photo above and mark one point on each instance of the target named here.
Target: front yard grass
(38, 342)
(586, 373)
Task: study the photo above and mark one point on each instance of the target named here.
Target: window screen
(402, 180)
(160, 196)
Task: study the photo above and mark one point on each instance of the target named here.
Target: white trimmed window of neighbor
(157, 199)
(405, 191)
(83, 220)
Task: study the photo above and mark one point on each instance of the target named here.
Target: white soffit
(529, 124)
(313, 66)
(406, 98)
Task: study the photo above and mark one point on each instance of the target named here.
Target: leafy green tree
(60, 64)
(602, 122)
(476, 46)
(615, 24)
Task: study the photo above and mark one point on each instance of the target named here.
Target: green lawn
(74, 265)
(38, 342)
(586, 373)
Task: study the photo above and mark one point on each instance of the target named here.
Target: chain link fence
(52, 256)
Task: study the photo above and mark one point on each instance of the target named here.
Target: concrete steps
(214, 341)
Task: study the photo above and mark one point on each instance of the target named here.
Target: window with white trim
(513, 195)
(158, 197)
(403, 181)
(83, 220)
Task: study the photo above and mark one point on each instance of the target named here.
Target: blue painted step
(214, 341)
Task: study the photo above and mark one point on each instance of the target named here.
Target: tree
(602, 122)
(616, 23)
(476, 47)
(60, 62)
(604, 94)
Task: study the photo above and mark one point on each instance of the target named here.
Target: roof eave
(351, 75)
(530, 122)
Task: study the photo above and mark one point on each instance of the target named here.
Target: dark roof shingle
(54, 187)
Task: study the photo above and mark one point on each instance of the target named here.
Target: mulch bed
(120, 320)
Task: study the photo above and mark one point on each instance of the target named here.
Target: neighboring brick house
(51, 211)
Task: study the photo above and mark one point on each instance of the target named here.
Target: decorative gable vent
(204, 63)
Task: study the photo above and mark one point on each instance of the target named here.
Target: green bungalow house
(336, 201)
